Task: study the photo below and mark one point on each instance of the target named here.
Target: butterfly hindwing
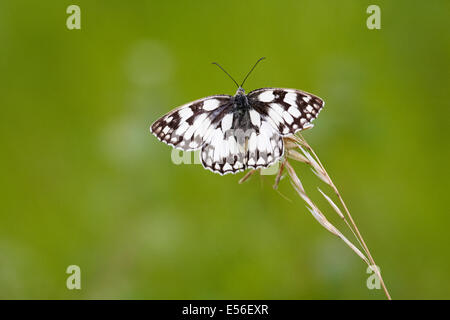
(265, 146)
(233, 147)
(288, 110)
(188, 126)
(223, 153)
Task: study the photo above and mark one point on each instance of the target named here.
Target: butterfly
(242, 131)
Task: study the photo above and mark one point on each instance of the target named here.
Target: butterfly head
(240, 92)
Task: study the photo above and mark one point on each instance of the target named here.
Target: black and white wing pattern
(239, 132)
(242, 141)
(188, 126)
(288, 110)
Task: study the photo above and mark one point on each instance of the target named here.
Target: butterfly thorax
(240, 101)
(241, 107)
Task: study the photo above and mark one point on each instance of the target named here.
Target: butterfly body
(241, 108)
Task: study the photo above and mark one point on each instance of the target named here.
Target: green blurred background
(84, 182)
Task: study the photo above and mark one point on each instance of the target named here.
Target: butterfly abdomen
(241, 115)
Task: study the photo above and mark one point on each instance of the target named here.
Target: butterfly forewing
(189, 126)
(288, 110)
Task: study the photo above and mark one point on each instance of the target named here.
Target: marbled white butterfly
(241, 131)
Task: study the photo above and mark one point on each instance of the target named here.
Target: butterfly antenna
(252, 70)
(226, 73)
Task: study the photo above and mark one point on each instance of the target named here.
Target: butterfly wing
(222, 153)
(243, 140)
(188, 127)
(287, 110)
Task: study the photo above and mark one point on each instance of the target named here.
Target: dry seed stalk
(309, 157)
(322, 173)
